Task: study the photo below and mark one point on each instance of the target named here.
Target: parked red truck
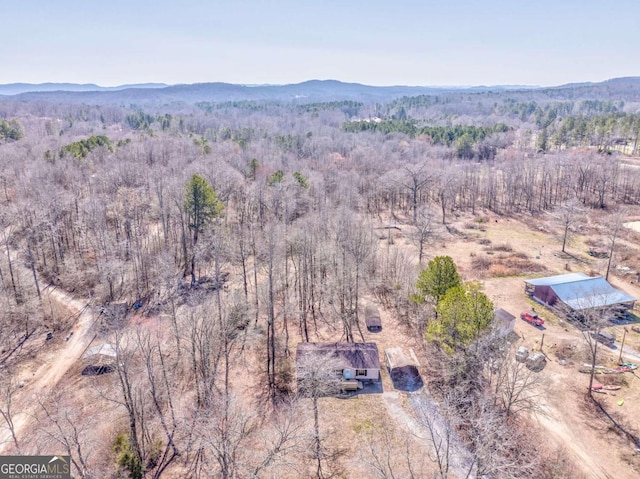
(532, 317)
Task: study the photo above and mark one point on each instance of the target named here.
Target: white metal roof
(559, 279)
(579, 291)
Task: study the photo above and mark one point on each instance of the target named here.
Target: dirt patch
(496, 266)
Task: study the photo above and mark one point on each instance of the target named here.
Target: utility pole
(622, 346)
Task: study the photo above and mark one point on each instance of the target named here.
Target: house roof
(100, 350)
(559, 279)
(503, 316)
(579, 291)
(396, 358)
(347, 355)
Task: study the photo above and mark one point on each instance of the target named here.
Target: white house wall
(372, 374)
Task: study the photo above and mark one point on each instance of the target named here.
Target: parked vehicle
(603, 337)
(532, 317)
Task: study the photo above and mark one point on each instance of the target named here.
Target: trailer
(372, 319)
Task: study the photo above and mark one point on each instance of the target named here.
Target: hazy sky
(446, 42)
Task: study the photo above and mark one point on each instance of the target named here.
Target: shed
(372, 318)
(403, 369)
(503, 323)
(577, 292)
(355, 360)
(101, 360)
(103, 350)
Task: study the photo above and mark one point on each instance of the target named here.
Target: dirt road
(45, 379)
(551, 419)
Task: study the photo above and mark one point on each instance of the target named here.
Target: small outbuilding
(503, 323)
(355, 360)
(101, 360)
(403, 369)
(372, 319)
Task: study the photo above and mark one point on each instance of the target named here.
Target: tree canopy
(80, 149)
(201, 204)
(10, 130)
(464, 312)
(437, 278)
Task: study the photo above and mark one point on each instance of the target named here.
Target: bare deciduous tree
(61, 425)
(613, 228)
(416, 177)
(569, 215)
(389, 456)
(516, 387)
(8, 390)
(425, 231)
(318, 376)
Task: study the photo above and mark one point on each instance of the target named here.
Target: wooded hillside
(208, 238)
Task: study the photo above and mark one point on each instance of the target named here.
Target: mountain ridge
(303, 92)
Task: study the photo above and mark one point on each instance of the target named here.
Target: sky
(401, 42)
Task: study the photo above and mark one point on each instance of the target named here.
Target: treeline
(249, 105)
(505, 104)
(543, 114)
(140, 120)
(348, 107)
(603, 131)
(439, 135)
(81, 149)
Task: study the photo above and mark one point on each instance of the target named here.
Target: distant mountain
(158, 94)
(18, 88)
(622, 81)
(306, 92)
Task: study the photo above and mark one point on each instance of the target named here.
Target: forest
(202, 239)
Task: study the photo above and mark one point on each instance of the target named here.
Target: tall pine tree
(201, 205)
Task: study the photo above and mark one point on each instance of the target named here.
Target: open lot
(568, 419)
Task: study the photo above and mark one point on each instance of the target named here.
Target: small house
(358, 361)
(372, 319)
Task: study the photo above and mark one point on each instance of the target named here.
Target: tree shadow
(367, 388)
(625, 320)
(372, 388)
(620, 428)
